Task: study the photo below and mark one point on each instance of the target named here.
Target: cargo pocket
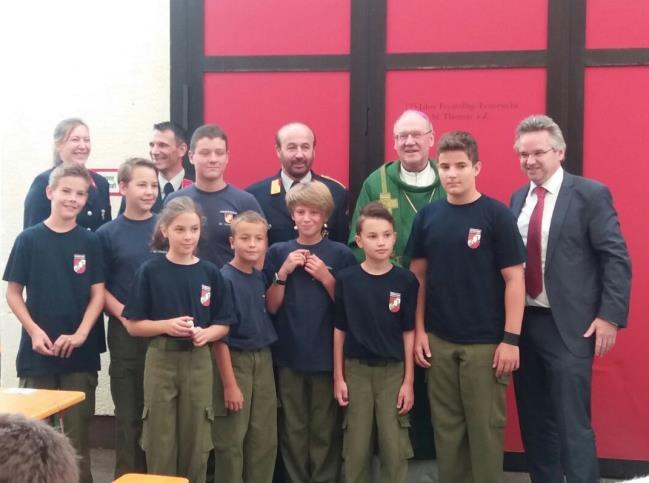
(145, 438)
(498, 403)
(404, 436)
(208, 442)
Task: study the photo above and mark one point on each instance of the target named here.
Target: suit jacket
(271, 195)
(587, 266)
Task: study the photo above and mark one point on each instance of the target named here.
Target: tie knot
(168, 188)
(540, 192)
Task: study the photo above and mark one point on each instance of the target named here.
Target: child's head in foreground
(31, 451)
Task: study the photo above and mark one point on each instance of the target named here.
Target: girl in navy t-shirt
(184, 304)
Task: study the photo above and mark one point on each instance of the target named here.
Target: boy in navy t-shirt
(220, 202)
(301, 297)
(373, 358)
(245, 401)
(468, 257)
(126, 245)
(59, 263)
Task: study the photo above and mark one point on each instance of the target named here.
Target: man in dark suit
(167, 148)
(295, 145)
(578, 277)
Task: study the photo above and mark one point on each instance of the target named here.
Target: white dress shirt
(176, 181)
(552, 185)
(425, 177)
(287, 181)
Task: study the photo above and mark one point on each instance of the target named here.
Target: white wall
(106, 62)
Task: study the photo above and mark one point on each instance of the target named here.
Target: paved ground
(103, 461)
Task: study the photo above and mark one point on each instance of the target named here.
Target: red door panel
(466, 25)
(615, 127)
(252, 106)
(615, 24)
(276, 27)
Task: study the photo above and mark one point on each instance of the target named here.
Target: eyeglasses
(415, 135)
(536, 154)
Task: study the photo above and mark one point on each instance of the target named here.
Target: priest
(406, 185)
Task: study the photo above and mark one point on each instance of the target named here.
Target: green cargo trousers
(373, 391)
(468, 407)
(178, 412)
(245, 442)
(126, 372)
(77, 418)
(310, 435)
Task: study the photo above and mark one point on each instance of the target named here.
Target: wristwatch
(277, 280)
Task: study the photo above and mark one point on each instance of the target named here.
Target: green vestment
(403, 201)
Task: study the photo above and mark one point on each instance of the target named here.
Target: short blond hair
(247, 216)
(66, 170)
(314, 194)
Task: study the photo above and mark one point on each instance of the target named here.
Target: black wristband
(511, 338)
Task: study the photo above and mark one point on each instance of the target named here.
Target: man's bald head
(293, 127)
(413, 138)
(413, 113)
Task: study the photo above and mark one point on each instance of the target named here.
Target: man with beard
(295, 145)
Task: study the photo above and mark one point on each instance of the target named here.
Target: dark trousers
(310, 426)
(126, 372)
(553, 389)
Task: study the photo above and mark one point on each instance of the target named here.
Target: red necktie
(533, 269)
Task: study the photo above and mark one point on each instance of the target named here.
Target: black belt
(172, 344)
(533, 309)
(238, 349)
(374, 362)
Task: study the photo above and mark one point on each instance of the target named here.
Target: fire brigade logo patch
(79, 264)
(228, 216)
(473, 240)
(206, 295)
(395, 302)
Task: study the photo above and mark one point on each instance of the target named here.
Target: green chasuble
(403, 201)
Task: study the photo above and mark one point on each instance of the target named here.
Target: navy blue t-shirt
(466, 247)
(304, 321)
(57, 270)
(375, 311)
(255, 329)
(219, 209)
(163, 289)
(126, 245)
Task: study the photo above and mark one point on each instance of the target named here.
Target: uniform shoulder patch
(275, 186)
(334, 180)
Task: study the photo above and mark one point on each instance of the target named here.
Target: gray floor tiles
(103, 463)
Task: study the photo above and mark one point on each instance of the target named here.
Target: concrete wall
(106, 62)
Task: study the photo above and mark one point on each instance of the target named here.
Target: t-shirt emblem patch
(228, 216)
(79, 264)
(206, 295)
(395, 302)
(473, 239)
